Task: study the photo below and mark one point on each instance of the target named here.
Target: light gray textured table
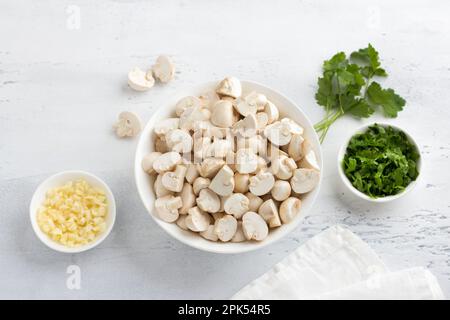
(63, 82)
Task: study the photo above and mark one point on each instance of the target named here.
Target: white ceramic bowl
(358, 193)
(145, 182)
(58, 180)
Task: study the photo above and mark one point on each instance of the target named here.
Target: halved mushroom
(223, 182)
(281, 190)
(173, 181)
(208, 99)
(192, 173)
(186, 103)
(167, 207)
(278, 133)
(269, 211)
(208, 201)
(210, 166)
(293, 126)
(222, 114)
(230, 86)
(239, 235)
(181, 222)
(289, 209)
(209, 234)
(199, 184)
(304, 180)
(295, 149)
(261, 164)
(257, 99)
(272, 112)
(225, 228)
(261, 183)
(166, 125)
(139, 81)
(127, 125)
(197, 220)
(160, 190)
(237, 204)
(243, 108)
(179, 141)
(261, 121)
(166, 162)
(283, 167)
(241, 182)
(310, 161)
(255, 202)
(245, 127)
(161, 145)
(190, 116)
(147, 162)
(164, 69)
(246, 161)
(187, 197)
(254, 226)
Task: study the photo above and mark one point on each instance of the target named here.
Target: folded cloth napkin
(336, 264)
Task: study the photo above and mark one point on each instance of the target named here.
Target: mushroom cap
(173, 181)
(139, 81)
(208, 99)
(304, 180)
(310, 161)
(210, 166)
(164, 69)
(197, 220)
(181, 222)
(208, 201)
(185, 103)
(246, 161)
(161, 145)
(223, 182)
(293, 126)
(230, 86)
(166, 125)
(209, 233)
(295, 149)
(255, 201)
(147, 162)
(160, 190)
(261, 183)
(281, 190)
(246, 127)
(200, 183)
(179, 141)
(254, 226)
(283, 167)
(239, 235)
(190, 116)
(192, 173)
(278, 133)
(244, 108)
(128, 125)
(166, 162)
(269, 211)
(241, 182)
(225, 228)
(261, 121)
(256, 99)
(222, 114)
(187, 198)
(237, 204)
(167, 207)
(289, 209)
(272, 112)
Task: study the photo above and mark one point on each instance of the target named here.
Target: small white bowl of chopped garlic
(72, 211)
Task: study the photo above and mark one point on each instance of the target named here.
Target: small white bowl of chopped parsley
(380, 162)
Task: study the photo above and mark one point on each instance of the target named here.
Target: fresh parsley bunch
(347, 87)
(381, 161)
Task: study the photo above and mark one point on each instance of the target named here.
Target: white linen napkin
(336, 264)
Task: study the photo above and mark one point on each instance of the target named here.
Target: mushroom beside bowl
(144, 182)
(361, 195)
(59, 180)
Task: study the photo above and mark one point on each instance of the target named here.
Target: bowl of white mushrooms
(228, 166)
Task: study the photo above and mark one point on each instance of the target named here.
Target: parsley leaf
(391, 102)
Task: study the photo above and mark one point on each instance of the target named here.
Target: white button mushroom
(210, 166)
(269, 211)
(139, 81)
(289, 209)
(281, 190)
(225, 228)
(257, 99)
(167, 207)
(304, 180)
(295, 149)
(208, 99)
(237, 204)
(254, 226)
(223, 182)
(166, 125)
(161, 145)
(209, 234)
(160, 190)
(166, 162)
(239, 235)
(219, 148)
(179, 141)
(293, 126)
(243, 108)
(230, 86)
(200, 183)
(278, 133)
(197, 220)
(261, 183)
(272, 112)
(245, 127)
(127, 125)
(192, 173)
(255, 202)
(222, 114)
(164, 69)
(283, 167)
(241, 182)
(261, 121)
(186, 103)
(190, 116)
(173, 181)
(218, 215)
(147, 162)
(208, 201)
(246, 161)
(181, 222)
(310, 161)
(187, 197)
